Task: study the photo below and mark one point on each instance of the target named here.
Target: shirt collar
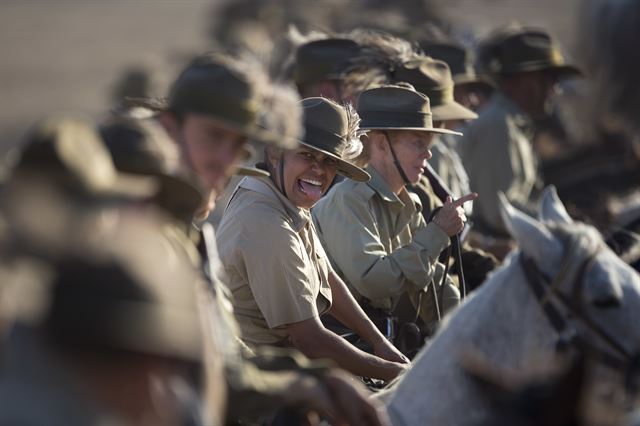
(264, 185)
(380, 186)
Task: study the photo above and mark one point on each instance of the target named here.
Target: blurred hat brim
(476, 80)
(559, 71)
(251, 171)
(452, 111)
(130, 185)
(256, 133)
(418, 129)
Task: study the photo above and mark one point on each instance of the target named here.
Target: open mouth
(312, 188)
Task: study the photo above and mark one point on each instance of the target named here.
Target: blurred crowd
(357, 173)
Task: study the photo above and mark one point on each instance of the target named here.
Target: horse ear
(552, 209)
(532, 236)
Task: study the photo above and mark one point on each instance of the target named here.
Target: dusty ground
(66, 55)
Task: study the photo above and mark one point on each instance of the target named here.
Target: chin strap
(396, 161)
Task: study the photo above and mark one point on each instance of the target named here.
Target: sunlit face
(212, 149)
(307, 175)
(412, 149)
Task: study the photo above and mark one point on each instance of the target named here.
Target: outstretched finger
(460, 201)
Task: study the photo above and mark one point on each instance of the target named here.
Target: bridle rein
(566, 314)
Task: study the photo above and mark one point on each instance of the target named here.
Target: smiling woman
(331, 137)
(278, 272)
(306, 176)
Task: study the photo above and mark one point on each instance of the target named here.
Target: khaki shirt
(277, 271)
(497, 154)
(378, 242)
(254, 386)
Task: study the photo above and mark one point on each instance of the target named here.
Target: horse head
(563, 284)
(593, 292)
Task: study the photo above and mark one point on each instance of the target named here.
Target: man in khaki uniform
(496, 149)
(433, 78)
(373, 231)
(262, 381)
(91, 314)
(469, 90)
(279, 274)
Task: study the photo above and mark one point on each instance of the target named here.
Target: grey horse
(595, 294)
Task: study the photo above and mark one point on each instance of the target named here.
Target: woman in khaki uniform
(278, 272)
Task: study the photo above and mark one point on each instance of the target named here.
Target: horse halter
(613, 354)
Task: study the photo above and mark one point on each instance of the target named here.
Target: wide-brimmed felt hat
(433, 78)
(251, 171)
(142, 147)
(397, 108)
(70, 151)
(516, 49)
(116, 298)
(326, 129)
(460, 61)
(224, 88)
(326, 59)
(148, 108)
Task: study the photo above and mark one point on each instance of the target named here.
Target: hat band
(530, 65)
(317, 72)
(438, 97)
(324, 140)
(395, 119)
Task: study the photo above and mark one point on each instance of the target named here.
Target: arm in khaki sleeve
(350, 234)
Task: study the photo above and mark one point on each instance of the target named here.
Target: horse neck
(504, 322)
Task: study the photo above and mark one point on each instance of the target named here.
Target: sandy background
(68, 55)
